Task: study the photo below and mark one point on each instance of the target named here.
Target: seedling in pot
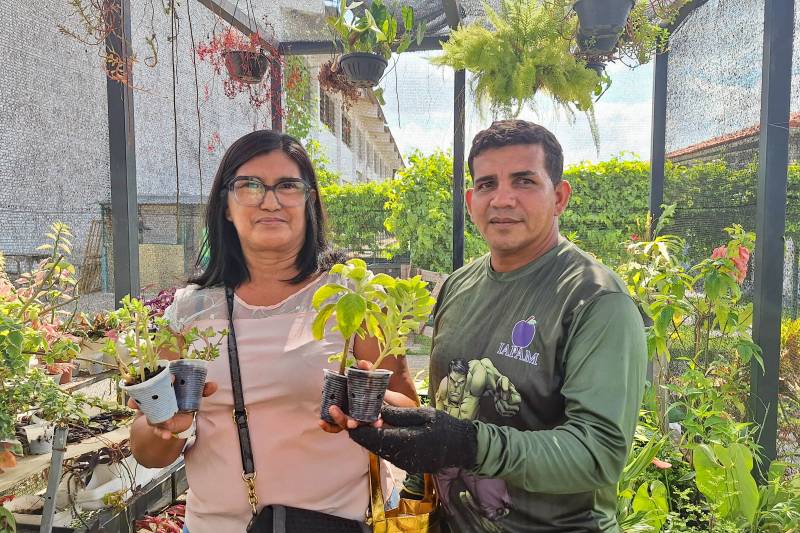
(146, 377)
(379, 306)
(191, 369)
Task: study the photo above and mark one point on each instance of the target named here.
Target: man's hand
(420, 440)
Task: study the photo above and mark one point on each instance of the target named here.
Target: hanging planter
(246, 66)
(369, 36)
(363, 69)
(601, 22)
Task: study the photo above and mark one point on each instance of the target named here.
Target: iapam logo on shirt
(521, 337)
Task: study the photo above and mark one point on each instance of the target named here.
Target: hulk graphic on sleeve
(459, 394)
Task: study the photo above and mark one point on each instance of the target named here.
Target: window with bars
(347, 134)
(327, 113)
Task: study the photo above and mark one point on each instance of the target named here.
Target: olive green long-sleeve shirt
(549, 363)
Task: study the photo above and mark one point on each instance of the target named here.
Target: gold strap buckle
(235, 421)
(250, 481)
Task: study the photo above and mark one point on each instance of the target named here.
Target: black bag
(272, 518)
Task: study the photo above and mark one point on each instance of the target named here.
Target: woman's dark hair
(224, 262)
(514, 132)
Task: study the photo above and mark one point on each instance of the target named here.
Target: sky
(419, 111)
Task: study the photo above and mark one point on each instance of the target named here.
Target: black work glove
(421, 440)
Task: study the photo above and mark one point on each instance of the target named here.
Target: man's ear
(563, 192)
(468, 197)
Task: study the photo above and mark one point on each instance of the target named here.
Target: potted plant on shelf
(146, 378)
(191, 369)
(379, 306)
(368, 36)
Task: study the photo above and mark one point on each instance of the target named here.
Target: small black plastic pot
(246, 66)
(190, 378)
(365, 391)
(363, 69)
(334, 392)
(601, 22)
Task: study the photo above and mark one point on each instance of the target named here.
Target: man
(555, 330)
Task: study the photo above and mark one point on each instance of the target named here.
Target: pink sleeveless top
(297, 464)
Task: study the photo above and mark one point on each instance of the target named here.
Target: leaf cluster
(375, 28)
(366, 304)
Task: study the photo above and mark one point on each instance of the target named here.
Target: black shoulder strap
(239, 409)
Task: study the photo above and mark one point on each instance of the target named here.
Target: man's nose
(504, 196)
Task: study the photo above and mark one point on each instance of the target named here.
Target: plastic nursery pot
(363, 69)
(246, 66)
(190, 377)
(40, 438)
(365, 391)
(155, 397)
(334, 392)
(601, 22)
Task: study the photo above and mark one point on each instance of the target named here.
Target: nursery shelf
(151, 499)
(81, 382)
(29, 477)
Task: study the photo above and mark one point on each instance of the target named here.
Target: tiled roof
(794, 122)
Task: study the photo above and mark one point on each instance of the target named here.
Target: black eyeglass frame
(267, 188)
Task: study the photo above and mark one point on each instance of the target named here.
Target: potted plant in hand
(146, 378)
(405, 305)
(369, 36)
(191, 369)
(380, 306)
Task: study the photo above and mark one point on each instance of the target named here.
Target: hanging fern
(527, 50)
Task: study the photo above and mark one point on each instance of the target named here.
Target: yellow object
(410, 516)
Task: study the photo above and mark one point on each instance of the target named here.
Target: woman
(266, 239)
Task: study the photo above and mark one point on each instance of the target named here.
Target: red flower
(634, 237)
(662, 465)
(740, 262)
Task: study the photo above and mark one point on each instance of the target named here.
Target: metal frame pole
(459, 93)
(122, 155)
(658, 137)
(773, 158)
(54, 477)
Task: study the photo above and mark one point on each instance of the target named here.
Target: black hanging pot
(601, 22)
(596, 65)
(363, 69)
(246, 66)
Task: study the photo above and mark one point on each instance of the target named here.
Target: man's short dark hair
(515, 132)
(459, 366)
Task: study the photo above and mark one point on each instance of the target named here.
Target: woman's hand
(179, 422)
(345, 422)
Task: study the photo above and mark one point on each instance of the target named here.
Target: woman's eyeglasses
(250, 191)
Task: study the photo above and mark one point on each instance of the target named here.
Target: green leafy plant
(379, 306)
(142, 342)
(374, 29)
(184, 345)
(35, 322)
(420, 209)
(527, 50)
